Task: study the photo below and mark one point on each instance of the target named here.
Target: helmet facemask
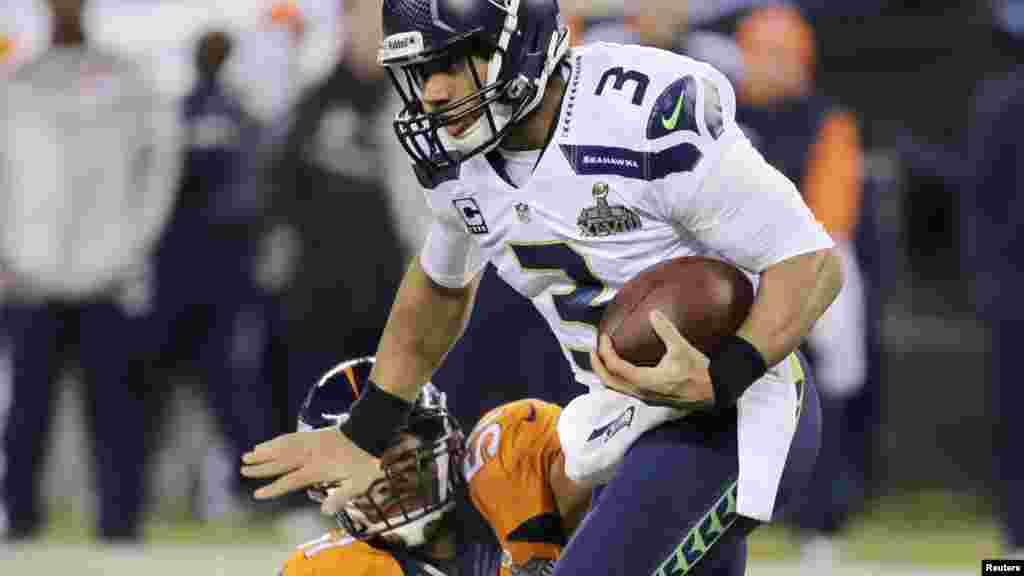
(421, 471)
(421, 477)
(492, 104)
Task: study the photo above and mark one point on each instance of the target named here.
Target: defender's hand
(679, 380)
(304, 459)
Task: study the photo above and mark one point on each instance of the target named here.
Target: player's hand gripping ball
(705, 299)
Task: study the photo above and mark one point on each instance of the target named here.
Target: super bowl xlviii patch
(470, 212)
(605, 219)
(676, 109)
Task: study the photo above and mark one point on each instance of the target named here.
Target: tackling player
(572, 171)
(408, 523)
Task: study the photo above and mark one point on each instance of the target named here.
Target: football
(706, 299)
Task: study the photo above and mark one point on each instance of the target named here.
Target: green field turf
(934, 532)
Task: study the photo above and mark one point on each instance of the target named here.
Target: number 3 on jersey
(578, 305)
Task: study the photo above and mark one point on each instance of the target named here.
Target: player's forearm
(426, 319)
(791, 296)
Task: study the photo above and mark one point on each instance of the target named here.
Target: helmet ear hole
(517, 88)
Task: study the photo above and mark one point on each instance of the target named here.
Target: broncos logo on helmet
(522, 42)
(421, 471)
(328, 401)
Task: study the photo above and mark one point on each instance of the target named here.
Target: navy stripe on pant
(670, 510)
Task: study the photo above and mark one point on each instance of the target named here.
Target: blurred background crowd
(203, 208)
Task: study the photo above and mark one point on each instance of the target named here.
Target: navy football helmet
(522, 40)
(328, 401)
(421, 471)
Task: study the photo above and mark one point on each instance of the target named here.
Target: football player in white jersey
(571, 171)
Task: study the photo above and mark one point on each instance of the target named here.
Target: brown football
(706, 299)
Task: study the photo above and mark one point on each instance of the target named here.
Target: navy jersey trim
(430, 180)
(544, 529)
(497, 162)
(609, 160)
(582, 359)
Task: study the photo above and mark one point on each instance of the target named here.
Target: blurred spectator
(87, 165)
(209, 314)
(993, 204)
(658, 23)
(280, 46)
(333, 250)
(340, 226)
(1009, 27)
(284, 47)
(24, 33)
(817, 145)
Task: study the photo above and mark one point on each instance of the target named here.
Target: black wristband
(374, 418)
(733, 368)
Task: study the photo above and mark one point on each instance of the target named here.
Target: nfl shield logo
(523, 212)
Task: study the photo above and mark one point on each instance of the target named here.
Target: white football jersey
(645, 164)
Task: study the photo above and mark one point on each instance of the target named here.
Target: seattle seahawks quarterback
(439, 508)
(571, 171)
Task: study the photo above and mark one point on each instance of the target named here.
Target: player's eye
(446, 64)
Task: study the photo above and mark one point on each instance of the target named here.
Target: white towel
(597, 428)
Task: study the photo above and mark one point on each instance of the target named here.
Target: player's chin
(456, 131)
(390, 511)
(462, 129)
(407, 505)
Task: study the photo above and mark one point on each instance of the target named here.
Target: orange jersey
(508, 458)
(509, 455)
(335, 554)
